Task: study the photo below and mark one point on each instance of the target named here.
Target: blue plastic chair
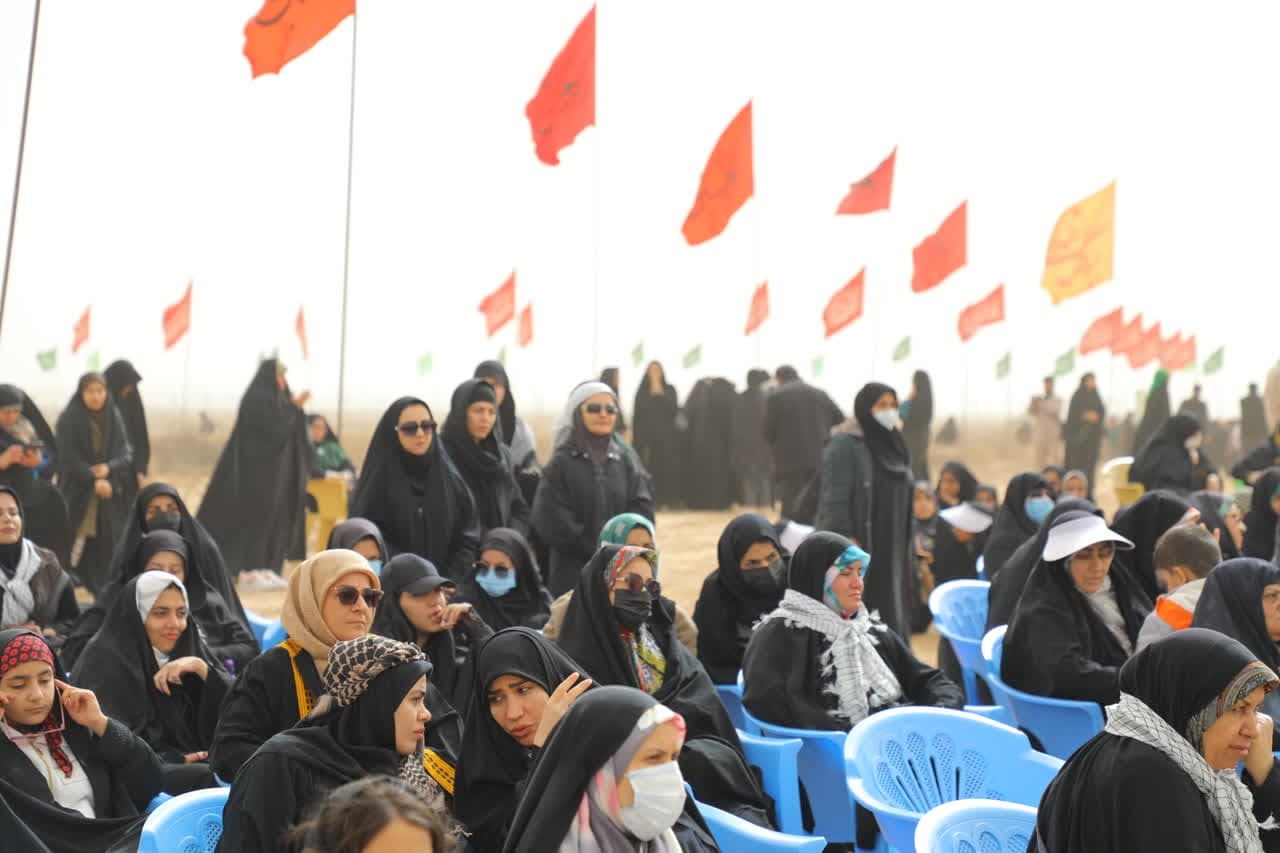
(274, 636)
(967, 826)
(731, 697)
(733, 833)
(959, 611)
(1061, 725)
(259, 625)
(905, 761)
(191, 823)
(778, 762)
(162, 798)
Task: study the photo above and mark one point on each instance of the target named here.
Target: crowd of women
(483, 657)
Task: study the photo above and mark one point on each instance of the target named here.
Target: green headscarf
(616, 529)
(1161, 377)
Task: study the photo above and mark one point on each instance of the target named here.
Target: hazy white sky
(153, 159)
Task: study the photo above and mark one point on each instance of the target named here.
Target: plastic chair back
(976, 826)
(731, 697)
(259, 625)
(331, 501)
(274, 635)
(733, 833)
(905, 761)
(1061, 725)
(959, 610)
(191, 823)
(778, 763)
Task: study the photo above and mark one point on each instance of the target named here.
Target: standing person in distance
(1084, 428)
(1046, 426)
(656, 437)
(797, 423)
(917, 422)
(122, 381)
(750, 450)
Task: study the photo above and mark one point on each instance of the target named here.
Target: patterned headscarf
(29, 648)
(1253, 676)
(646, 654)
(355, 663)
(616, 530)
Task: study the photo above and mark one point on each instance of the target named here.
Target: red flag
(942, 252)
(845, 306)
(872, 192)
(759, 308)
(1187, 355)
(727, 182)
(1170, 351)
(499, 307)
(177, 319)
(1102, 332)
(986, 311)
(283, 30)
(1147, 349)
(300, 326)
(524, 328)
(81, 332)
(1127, 336)
(565, 103)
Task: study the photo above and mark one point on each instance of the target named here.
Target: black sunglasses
(636, 583)
(348, 595)
(500, 571)
(412, 427)
(597, 408)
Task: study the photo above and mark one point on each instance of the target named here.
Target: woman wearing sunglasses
(331, 597)
(71, 778)
(505, 585)
(152, 671)
(410, 489)
(591, 477)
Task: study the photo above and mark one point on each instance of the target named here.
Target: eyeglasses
(637, 583)
(412, 427)
(597, 408)
(500, 571)
(347, 595)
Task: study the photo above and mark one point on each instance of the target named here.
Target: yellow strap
(439, 769)
(305, 700)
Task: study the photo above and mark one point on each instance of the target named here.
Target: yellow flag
(1082, 246)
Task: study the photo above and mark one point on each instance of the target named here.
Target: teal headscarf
(849, 556)
(616, 529)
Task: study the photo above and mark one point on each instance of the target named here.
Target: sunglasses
(412, 427)
(348, 595)
(500, 571)
(636, 583)
(597, 408)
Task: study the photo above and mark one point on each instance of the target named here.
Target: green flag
(1065, 363)
(903, 349)
(817, 366)
(692, 357)
(95, 358)
(637, 354)
(48, 360)
(1004, 365)
(1214, 362)
(424, 364)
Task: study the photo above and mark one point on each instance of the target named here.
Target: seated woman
(34, 590)
(1241, 598)
(1143, 523)
(523, 686)
(28, 462)
(484, 461)
(748, 583)
(1162, 775)
(330, 459)
(608, 781)
(1172, 458)
(1263, 517)
(376, 814)
(1026, 504)
(70, 777)
(1079, 615)
(372, 719)
(820, 661)
(418, 609)
(504, 587)
(362, 536)
(1075, 483)
(411, 490)
(1224, 518)
(152, 672)
(988, 496)
(956, 484)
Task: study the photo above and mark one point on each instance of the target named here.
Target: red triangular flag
(284, 30)
(81, 332)
(524, 329)
(727, 182)
(565, 103)
(1187, 356)
(1102, 332)
(872, 192)
(1127, 337)
(499, 307)
(987, 310)
(300, 326)
(1170, 351)
(845, 305)
(942, 252)
(759, 308)
(1147, 349)
(177, 319)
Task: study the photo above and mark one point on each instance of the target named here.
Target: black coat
(1253, 421)
(658, 441)
(1143, 524)
(1157, 410)
(1012, 527)
(917, 423)
(1165, 463)
(1082, 439)
(486, 466)
(750, 450)
(45, 519)
(1259, 458)
(712, 482)
(798, 419)
(76, 480)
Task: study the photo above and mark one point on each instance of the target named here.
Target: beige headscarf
(308, 586)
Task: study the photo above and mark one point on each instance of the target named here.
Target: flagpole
(346, 237)
(17, 175)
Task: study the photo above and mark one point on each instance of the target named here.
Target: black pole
(17, 175)
(346, 241)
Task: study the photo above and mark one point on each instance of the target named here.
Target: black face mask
(632, 609)
(164, 521)
(766, 580)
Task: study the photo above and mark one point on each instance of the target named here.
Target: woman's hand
(102, 488)
(142, 481)
(172, 672)
(102, 471)
(453, 614)
(11, 456)
(195, 757)
(1260, 758)
(557, 703)
(31, 458)
(82, 707)
(301, 399)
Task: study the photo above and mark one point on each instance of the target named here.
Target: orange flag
(727, 182)
(759, 308)
(1127, 337)
(1102, 332)
(80, 332)
(565, 103)
(283, 30)
(1082, 246)
(1147, 349)
(845, 305)
(942, 252)
(524, 328)
(300, 326)
(499, 307)
(1186, 354)
(872, 192)
(177, 319)
(986, 311)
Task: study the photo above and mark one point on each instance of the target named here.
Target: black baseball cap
(412, 574)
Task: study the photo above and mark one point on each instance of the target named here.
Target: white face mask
(659, 800)
(888, 418)
(1193, 443)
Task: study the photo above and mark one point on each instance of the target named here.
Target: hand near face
(557, 704)
(1261, 759)
(31, 458)
(453, 614)
(82, 707)
(171, 673)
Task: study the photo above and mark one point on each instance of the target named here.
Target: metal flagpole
(346, 240)
(17, 176)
